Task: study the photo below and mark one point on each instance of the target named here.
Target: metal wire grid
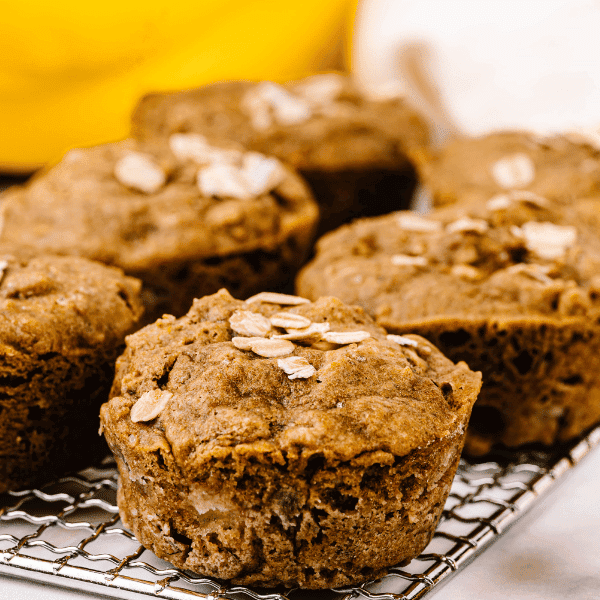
(68, 534)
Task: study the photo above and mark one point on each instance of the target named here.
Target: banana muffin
(278, 441)
(560, 168)
(187, 219)
(512, 288)
(353, 150)
(63, 321)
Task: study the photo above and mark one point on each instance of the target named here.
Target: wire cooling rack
(68, 534)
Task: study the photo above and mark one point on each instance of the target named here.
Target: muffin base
(540, 376)
(364, 516)
(171, 288)
(49, 406)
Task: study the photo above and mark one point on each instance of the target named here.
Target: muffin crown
(518, 254)
(138, 205)
(245, 378)
(59, 304)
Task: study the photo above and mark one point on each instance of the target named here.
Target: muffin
(352, 149)
(271, 442)
(63, 321)
(186, 219)
(560, 168)
(511, 288)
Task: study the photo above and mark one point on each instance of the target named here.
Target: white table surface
(553, 553)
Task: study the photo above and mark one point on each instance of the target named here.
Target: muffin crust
(186, 219)
(58, 355)
(355, 152)
(281, 464)
(510, 287)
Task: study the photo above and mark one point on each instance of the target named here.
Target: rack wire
(68, 534)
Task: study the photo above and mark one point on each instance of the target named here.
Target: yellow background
(71, 72)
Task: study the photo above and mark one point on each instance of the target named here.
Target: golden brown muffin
(512, 288)
(353, 150)
(63, 321)
(186, 220)
(560, 168)
(272, 441)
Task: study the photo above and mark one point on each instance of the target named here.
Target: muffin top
(561, 168)
(320, 122)
(518, 255)
(137, 206)
(280, 379)
(62, 304)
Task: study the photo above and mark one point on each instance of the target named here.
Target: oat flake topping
(313, 333)
(528, 197)
(150, 405)
(190, 146)
(467, 225)
(499, 202)
(516, 231)
(250, 324)
(139, 172)
(413, 222)
(402, 340)
(401, 260)
(237, 175)
(288, 320)
(504, 201)
(321, 89)
(195, 147)
(533, 271)
(223, 180)
(296, 367)
(346, 337)
(514, 171)
(548, 240)
(262, 173)
(267, 102)
(277, 298)
(244, 343)
(466, 272)
(269, 348)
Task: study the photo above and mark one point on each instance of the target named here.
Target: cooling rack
(68, 533)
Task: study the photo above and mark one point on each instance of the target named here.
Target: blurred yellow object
(71, 72)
